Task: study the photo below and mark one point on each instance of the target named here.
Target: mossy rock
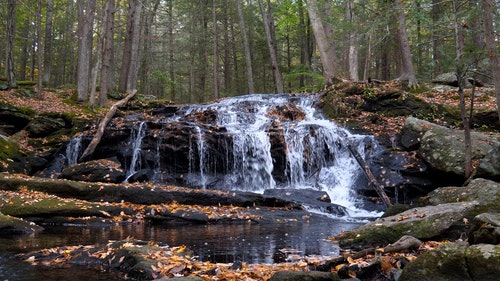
(12, 226)
(422, 223)
(11, 159)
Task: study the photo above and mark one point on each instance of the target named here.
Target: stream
(249, 243)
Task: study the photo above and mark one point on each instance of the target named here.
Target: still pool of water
(249, 243)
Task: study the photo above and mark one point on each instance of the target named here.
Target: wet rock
(485, 229)
(95, 171)
(14, 226)
(315, 199)
(303, 276)
(448, 262)
(422, 223)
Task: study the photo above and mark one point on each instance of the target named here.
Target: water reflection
(249, 243)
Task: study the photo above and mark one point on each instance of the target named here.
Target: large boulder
(444, 149)
(486, 192)
(102, 170)
(490, 164)
(485, 229)
(12, 226)
(422, 223)
(44, 125)
(455, 261)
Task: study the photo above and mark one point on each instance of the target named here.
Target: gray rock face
(421, 223)
(455, 261)
(481, 190)
(490, 164)
(485, 229)
(443, 148)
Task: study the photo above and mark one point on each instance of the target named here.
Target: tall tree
(130, 58)
(107, 52)
(352, 50)
(489, 7)
(47, 47)
(324, 46)
(407, 72)
(246, 45)
(39, 48)
(266, 16)
(85, 23)
(215, 54)
(9, 55)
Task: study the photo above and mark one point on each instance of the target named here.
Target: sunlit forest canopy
(195, 51)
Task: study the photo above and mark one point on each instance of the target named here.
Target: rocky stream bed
(436, 229)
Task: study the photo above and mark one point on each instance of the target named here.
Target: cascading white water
(73, 150)
(316, 149)
(134, 147)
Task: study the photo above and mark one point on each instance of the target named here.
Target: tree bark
(85, 22)
(489, 7)
(107, 52)
(104, 122)
(9, 56)
(47, 48)
(130, 58)
(324, 46)
(407, 71)
(39, 51)
(352, 54)
(246, 45)
(266, 15)
(215, 54)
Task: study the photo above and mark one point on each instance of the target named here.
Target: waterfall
(315, 150)
(73, 150)
(134, 147)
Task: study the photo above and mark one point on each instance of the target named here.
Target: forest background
(195, 51)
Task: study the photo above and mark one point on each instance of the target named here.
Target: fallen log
(369, 175)
(104, 122)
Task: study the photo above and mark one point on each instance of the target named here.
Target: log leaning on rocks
(104, 122)
(369, 175)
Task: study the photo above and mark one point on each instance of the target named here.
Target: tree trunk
(266, 14)
(102, 125)
(130, 58)
(171, 68)
(39, 51)
(407, 71)
(324, 47)
(437, 38)
(9, 55)
(215, 66)
(47, 48)
(461, 73)
(352, 54)
(246, 45)
(85, 22)
(107, 52)
(489, 7)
